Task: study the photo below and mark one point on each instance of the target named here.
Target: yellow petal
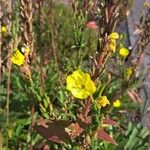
(114, 36)
(124, 52)
(81, 94)
(3, 29)
(103, 101)
(79, 76)
(112, 45)
(71, 83)
(90, 86)
(17, 58)
(117, 103)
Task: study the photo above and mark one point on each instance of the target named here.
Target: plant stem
(0, 72)
(0, 139)
(8, 102)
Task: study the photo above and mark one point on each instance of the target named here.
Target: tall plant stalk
(0, 70)
(27, 38)
(8, 6)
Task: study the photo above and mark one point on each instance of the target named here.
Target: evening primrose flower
(3, 29)
(113, 35)
(20, 54)
(17, 58)
(117, 103)
(80, 84)
(103, 101)
(112, 45)
(124, 52)
(111, 41)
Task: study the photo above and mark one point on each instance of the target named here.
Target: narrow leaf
(101, 134)
(109, 121)
(134, 96)
(83, 121)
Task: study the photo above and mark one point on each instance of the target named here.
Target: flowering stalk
(8, 8)
(27, 35)
(80, 15)
(0, 70)
(26, 27)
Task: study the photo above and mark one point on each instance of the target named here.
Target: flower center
(82, 87)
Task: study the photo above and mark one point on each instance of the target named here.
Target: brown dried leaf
(134, 96)
(109, 121)
(22, 2)
(138, 31)
(86, 106)
(25, 70)
(111, 11)
(83, 121)
(101, 134)
(101, 59)
(142, 57)
(53, 130)
(74, 130)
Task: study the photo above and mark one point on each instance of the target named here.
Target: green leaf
(18, 130)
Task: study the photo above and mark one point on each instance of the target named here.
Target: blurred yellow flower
(113, 35)
(80, 84)
(103, 101)
(146, 4)
(123, 52)
(3, 29)
(17, 58)
(117, 103)
(19, 55)
(111, 43)
(128, 72)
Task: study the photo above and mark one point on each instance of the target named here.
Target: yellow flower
(21, 52)
(80, 84)
(114, 36)
(146, 4)
(123, 52)
(103, 101)
(117, 103)
(128, 72)
(17, 58)
(111, 43)
(3, 29)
